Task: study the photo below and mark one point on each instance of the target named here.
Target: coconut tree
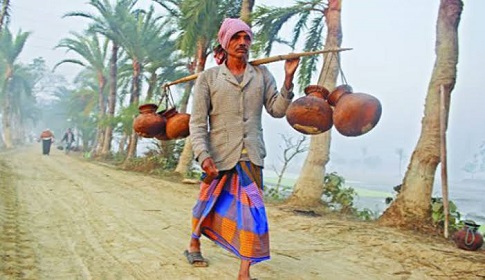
(94, 55)
(412, 207)
(10, 49)
(108, 21)
(140, 34)
(312, 16)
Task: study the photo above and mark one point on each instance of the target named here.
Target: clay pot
(162, 137)
(163, 133)
(468, 238)
(338, 92)
(311, 114)
(148, 123)
(354, 114)
(177, 124)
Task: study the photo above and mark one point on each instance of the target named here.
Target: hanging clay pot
(468, 238)
(148, 123)
(177, 124)
(311, 114)
(338, 92)
(163, 133)
(354, 114)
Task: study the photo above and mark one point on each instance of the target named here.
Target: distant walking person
(69, 139)
(47, 137)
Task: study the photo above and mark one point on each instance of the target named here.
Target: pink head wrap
(229, 27)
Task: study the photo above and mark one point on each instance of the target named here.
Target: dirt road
(62, 217)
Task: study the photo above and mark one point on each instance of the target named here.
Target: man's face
(239, 45)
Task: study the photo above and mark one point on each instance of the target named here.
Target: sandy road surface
(64, 218)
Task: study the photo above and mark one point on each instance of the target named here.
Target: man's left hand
(290, 68)
(291, 65)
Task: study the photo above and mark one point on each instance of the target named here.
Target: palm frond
(313, 42)
(270, 21)
(171, 6)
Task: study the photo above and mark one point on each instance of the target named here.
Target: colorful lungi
(230, 211)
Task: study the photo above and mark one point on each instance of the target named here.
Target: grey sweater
(226, 115)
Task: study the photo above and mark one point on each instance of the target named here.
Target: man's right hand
(210, 168)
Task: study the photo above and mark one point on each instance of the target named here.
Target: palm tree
(108, 23)
(140, 34)
(308, 189)
(10, 49)
(412, 207)
(94, 55)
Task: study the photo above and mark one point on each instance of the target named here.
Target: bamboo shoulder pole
(263, 61)
(444, 172)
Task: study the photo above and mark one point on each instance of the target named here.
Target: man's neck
(237, 66)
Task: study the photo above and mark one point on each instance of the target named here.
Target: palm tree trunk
(108, 135)
(132, 146)
(122, 145)
(18, 135)
(308, 188)
(6, 110)
(412, 207)
(6, 122)
(152, 84)
(101, 114)
(246, 10)
(202, 46)
(134, 100)
(185, 97)
(185, 161)
(2, 143)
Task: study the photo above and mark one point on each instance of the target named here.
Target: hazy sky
(392, 59)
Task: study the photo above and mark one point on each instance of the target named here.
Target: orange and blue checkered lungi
(230, 211)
